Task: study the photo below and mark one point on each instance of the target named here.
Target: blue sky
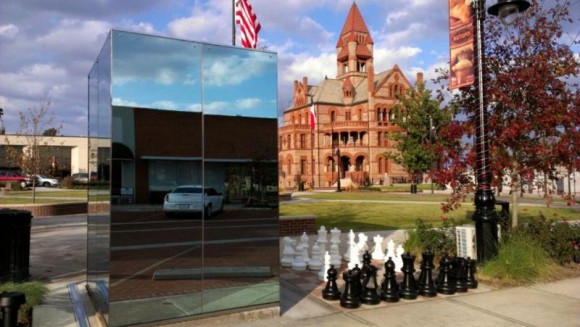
(49, 46)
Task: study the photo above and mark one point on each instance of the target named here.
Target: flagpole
(234, 23)
(312, 146)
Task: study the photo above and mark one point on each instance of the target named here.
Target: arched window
(381, 165)
(332, 116)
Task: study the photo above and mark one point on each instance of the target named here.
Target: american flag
(248, 22)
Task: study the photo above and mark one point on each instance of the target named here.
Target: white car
(47, 181)
(188, 199)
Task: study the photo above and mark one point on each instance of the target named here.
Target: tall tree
(420, 116)
(30, 158)
(532, 99)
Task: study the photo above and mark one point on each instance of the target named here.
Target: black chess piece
(459, 275)
(357, 281)
(389, 287)
(331, 291)
(470, 273)
(370, 294)
(348, 298)
(366, 263)
(445, 283)
(426, 283)
(408, 289)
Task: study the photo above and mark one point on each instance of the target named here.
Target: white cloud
(314, 67)
(248, 103)
(9, 30)
(395, 16)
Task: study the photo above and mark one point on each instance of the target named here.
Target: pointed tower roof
(354, 23)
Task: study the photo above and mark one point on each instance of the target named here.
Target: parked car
(80, 178)
(15, 176)
(188, 199)
(45, 181)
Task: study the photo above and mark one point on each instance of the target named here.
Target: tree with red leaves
(532, 99)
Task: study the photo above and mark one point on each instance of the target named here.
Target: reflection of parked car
(47, 181)
(14, 176)
(80, 177)
(187, 198)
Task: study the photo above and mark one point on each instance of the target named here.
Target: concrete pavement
(58, 257)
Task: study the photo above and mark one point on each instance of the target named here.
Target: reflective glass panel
(240, 244)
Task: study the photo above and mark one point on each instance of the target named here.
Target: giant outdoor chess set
(365, 275)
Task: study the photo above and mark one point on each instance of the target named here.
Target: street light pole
(338, 163)
(485, 216)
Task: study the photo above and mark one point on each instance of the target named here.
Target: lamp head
(508, 10)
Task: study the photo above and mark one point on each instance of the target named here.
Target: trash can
(413, 188)
(10, 303)
(301, 186)
(14, 245)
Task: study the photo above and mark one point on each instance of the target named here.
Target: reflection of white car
(46, 181)
(188, 198)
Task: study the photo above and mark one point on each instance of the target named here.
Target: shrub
(520, 261)
(440, 240)
(35, 293)
(67, 182)
(555, 237)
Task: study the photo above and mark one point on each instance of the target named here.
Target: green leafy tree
(50, 132)
(421, 119)
(531, 95)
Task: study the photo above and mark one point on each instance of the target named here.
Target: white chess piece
(322, 239)
(315, 263)
(354, 257)
(304, 242)
(288, 252)
(299, 264)
(398, 260)
(361, 245)
(335, 256)
(378, 250)
(335, 236)
(351, 237)
(322, 274)
(390, 251)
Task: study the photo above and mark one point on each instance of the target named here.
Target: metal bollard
(10, 303)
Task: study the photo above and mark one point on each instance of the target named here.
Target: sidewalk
(58, 257)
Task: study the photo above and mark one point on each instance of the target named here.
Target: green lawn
(382, 216)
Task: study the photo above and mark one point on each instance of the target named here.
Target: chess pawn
(408, 289)
(369, 294)
(445, 283)
(322, 273)
(299, 264)
(366, 260)
(426, 284)
(315, 263)
(470, 281)
(459, 274)
(335, 256)
(389, 287)
(378, 250)
(288, 252)
(335, 236)
(331, 291)
(349, 298)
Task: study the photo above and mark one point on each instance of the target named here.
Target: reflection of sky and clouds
(162, 73)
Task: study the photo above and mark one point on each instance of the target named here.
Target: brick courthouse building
(353, 115)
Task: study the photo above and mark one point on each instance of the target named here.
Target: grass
(35, 293)
(367, 216)
(520, 261)
(376, 196)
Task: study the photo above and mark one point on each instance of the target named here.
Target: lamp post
(338, 189)
(485, 216)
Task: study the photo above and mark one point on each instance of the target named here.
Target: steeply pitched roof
(354, 23)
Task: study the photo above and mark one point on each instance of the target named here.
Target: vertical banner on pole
(461, 37)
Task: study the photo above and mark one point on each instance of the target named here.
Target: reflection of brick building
(164, 150)
(353, 115)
